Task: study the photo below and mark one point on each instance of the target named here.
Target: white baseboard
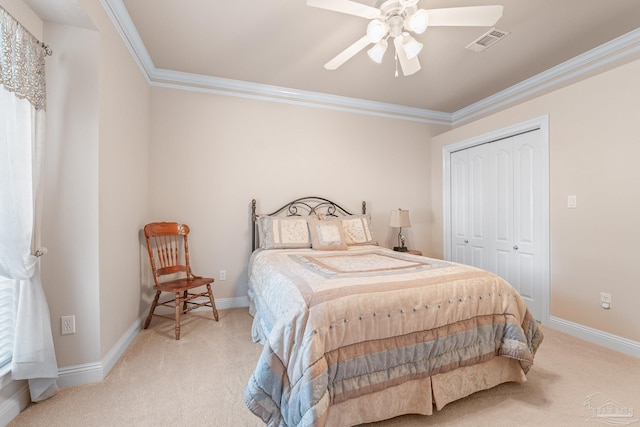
(15, 394)
(596, 336)
(116, 352)
(97, 371)
(80, 374)
(17, 400)
(237, 302)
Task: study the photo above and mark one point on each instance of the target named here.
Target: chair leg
(178, 309)
(152, 309)
(213, 302)
(184, 304)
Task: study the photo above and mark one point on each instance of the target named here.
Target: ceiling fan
(397, 19)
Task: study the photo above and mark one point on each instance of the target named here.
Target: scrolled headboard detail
(310, 205)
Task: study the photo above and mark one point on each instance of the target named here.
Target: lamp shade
(377, 51)
(399, 218)
(376, 30)
(418, 22)
(412, 47)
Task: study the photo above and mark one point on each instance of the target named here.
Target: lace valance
(21, 61)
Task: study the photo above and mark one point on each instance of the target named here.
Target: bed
(354, 332)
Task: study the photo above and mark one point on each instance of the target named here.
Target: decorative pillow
(357, 230)
(283, 232)
(327, 235)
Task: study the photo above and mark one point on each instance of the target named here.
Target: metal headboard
(310, 205)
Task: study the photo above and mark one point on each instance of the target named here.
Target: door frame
(541, 123)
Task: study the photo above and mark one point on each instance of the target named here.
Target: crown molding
(121, 20)
(221, 86)
(581, 65)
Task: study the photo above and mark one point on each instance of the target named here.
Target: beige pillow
(357, 230)
(327, 235)
(283, 232)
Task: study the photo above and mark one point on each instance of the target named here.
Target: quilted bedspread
(341, 324)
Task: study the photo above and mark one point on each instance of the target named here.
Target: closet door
(469, 199)
(501, 207)
(527, 226)
(496, 211)
(515, 206)
(459, 206)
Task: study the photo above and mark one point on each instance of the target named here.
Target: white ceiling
(285, 43)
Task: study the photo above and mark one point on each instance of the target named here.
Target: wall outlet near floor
(605, 300)
(223, 275)
(68, 325)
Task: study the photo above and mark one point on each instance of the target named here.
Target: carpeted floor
(199, 381)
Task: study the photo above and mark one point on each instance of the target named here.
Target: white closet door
(459, 206)
(496, 211)
(501, 206)
(496, 215)
(527, 227)
(478, 203)
(515, 206)
(469, 198)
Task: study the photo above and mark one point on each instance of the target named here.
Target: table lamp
(400, 218)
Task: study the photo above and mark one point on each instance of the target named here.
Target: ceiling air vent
(489, 38)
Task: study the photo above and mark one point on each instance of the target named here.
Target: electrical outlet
(223, 275)
(68, 325)
(605, 300)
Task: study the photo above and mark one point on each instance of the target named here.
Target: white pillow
(357, 230)
(283, 232)
(326, 235)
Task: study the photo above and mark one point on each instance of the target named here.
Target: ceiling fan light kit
(377, 51)
(411, 46)
(376, 30)
(418, 22)
(397, 19)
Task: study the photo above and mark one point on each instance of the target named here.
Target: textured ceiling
(285, 43)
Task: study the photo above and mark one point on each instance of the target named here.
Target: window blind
(8, 310)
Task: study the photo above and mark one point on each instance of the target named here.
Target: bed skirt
(422, 396)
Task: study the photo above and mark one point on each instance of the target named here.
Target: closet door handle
(515, 247)
(466, 241)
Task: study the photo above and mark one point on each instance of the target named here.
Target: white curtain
(22, 102)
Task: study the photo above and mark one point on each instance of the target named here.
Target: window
(8, 308)
(8, 290)
(22, 114)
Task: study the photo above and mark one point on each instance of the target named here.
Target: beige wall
(594, 148)
(212, 154)
(96, 170)
(123, 178)
(70, 220)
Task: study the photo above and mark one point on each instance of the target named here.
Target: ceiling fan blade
(472, 16)
(346, 6)
(346, 54)
(409, 66)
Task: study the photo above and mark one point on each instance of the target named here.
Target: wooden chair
(169, 256)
